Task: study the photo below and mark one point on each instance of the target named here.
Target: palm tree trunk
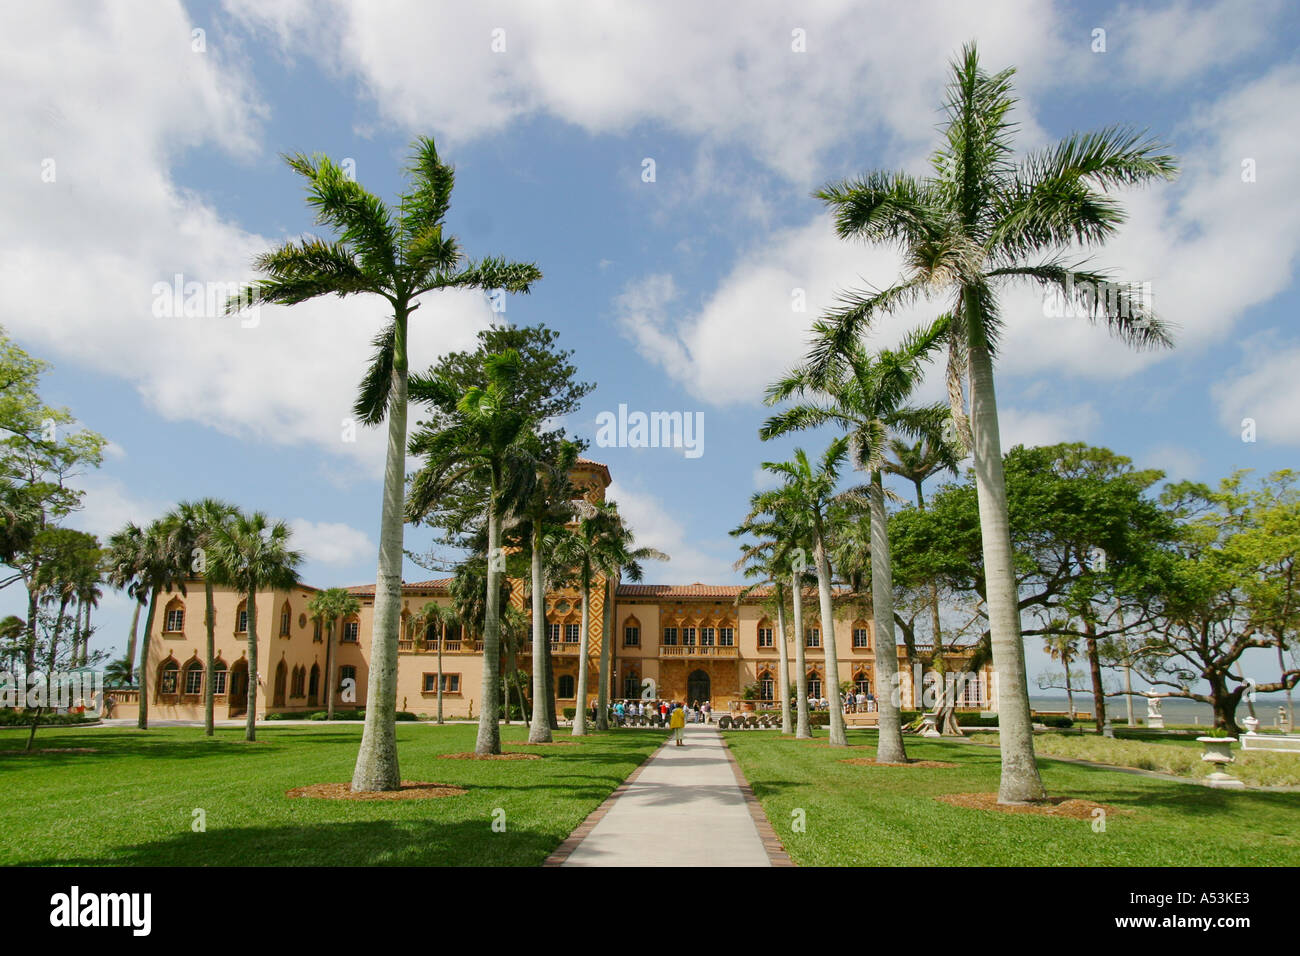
(606, 651)
(802, 729)
(130, 643)
(442, 637)
(1281, 664)
(1020, 781)
(783, 679)
(837, 734)
(889, 744)
(210, 625)
(489, 729)
(85, 634)
(1069, 689)
(580, 710)
(250, 720)
(377, 767)
(33, 610)
(142, 721)
(549, 671)
(331, 682)
(539, 731)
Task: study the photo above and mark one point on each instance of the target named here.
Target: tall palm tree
(329, 607)
(767, 563)
(122, 573)
(864, 395)
(810, 489)
(446, 618)
(162, 563)
(1063, 648)
(485, 434)
(400, 255)
(202, 520)
(981, 221)
(251, 553)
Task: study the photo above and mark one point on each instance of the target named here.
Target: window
(860, 637)
(564, 687)
(218, 678)
(347, 673)
(632, 686)
(631, 637)
(766, 686)
(194, 679)
(168, 671)
(706, 636)
(285, 618)
(450, 684)
(175, 620)
(812, 637)
(313, 685)
(241, 618)
(814, 685)
(351, 632)
(688, 636)
(316, 636)
(572, 633)
(726, 637)
(298, 685)
(764, 637)
(670, 636)
(861, 683)
(553, 633)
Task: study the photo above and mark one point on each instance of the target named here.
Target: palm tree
(202, 520)
(399, 255)
(251, 553)
(329, 607)
(1063, 648)
(118, 673)
(982, 221)
(810, 489)
(864, 394)
(161, 564)
(122, 574)
(446, 618)
(485, 433)
(766, 562)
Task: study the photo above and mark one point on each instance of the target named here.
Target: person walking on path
(677, 721)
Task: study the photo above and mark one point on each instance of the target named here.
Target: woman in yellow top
(677, 722)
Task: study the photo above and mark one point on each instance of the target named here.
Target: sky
(657, 160)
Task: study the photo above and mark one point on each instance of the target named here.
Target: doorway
(697, 687)
(239, 689)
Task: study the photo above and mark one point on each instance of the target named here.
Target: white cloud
(1263, 387)
(116, 97)
(332, 543)
(690, 67)
(1178, 463)
(1042, 426)
(107, 505)
(1179, 42)
(654, 526)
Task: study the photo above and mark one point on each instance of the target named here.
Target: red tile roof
(437, 584)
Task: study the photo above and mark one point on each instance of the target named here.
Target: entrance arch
(697, 687)
(238, 698)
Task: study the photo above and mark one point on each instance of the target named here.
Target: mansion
(692, 642)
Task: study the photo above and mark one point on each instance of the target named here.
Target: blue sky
(675, 294)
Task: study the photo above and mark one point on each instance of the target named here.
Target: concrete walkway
(684, 807)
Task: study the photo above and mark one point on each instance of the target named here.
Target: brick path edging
(772, 844)
(565, 849)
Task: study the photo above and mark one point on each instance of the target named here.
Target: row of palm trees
(980, 222)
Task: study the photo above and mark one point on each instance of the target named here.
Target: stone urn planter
(1218, 751)
(928, 727)
(747, 705)
(1252, 725)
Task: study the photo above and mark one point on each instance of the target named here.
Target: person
(595, 712)
(707, 709)
(677, 721)
(618, 713)
(861, 702)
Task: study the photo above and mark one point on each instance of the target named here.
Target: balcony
(697, 650)
(431, 647)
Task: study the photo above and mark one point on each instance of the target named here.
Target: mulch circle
(508, 755)
(547, 743)
(918, 764)
(53, 750)
(411, 790)
(1070, 807)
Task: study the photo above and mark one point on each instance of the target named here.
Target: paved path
(684, 807)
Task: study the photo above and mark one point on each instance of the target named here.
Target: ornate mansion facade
(691, 642)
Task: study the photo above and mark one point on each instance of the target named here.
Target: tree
(810, 489)
(486, 434)
(399, 255)
(202, 520)
(980, 222)
(1061, 647)
(329, 607)
(161, 563)
(123, 573)
(251, 553)
(768, 563)
(865, 394)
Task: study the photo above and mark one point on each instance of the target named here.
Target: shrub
(23, 718)
(570, 712)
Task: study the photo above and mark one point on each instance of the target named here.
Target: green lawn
(887, 816)
(132, 802)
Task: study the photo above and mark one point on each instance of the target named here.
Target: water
(1175, 710)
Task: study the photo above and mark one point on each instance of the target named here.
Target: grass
(132, 802)
(1176, 755)
(887, 816)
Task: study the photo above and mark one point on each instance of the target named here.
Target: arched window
(174, 619)
(281, 678)
(862, 683)
(765, 633)
(861, 635)
(814, 684)
(241, 618)
(766, 686)
(193, 680)
(168, 672)
(219, 673)
(565, 687)
(631, 632)
(352, 630)
(286, 618)
(297, 686)
(812, 637)
(313, 685)
(632, 685)
(316, 633)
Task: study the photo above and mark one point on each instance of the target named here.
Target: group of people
(622, 711)
(853, 702)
